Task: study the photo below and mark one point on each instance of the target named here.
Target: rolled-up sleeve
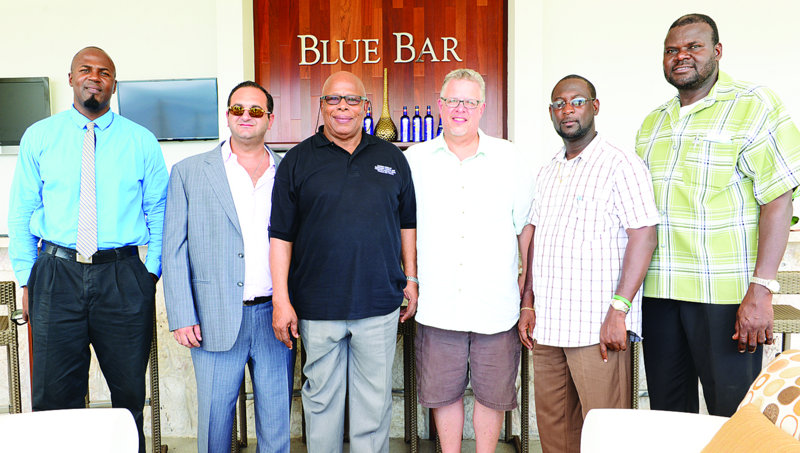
(634, 203)
(154, 198)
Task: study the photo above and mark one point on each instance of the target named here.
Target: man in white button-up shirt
(473, 196)
(594, 222)
(217, 280)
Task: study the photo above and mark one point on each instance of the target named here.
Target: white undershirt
(253, 206)
(688, 108)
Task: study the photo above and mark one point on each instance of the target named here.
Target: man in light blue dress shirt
(105, 298)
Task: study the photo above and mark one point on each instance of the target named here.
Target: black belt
(99, 257)
(257, 300)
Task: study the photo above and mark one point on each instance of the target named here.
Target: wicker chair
(787, 318)
(8, 338)
(155, 400)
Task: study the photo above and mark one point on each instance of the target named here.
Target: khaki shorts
(447, 360)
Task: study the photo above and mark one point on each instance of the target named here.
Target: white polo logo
(385, 170)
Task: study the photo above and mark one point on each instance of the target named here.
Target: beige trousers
(568, 382)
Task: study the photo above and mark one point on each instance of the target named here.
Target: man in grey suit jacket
(217, 281)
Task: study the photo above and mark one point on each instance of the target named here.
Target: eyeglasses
(351, 99)
(255, 112)
(575, 102)
(468, 103)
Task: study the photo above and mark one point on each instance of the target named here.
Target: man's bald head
(344, 76)
(92, 49)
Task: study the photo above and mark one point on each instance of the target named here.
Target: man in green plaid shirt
(725, 159)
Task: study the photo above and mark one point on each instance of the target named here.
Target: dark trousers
(109, 306)
(684, 341)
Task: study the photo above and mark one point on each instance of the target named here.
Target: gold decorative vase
(385, 128)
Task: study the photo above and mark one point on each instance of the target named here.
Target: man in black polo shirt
(343, 218)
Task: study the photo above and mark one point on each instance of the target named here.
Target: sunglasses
(255, 112)
(350, 99)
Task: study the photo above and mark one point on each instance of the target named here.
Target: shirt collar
(101, 123)
(226, 150)
(320, 140)
(588, 153)
(227, 153)
(439, 144)
(721, 91)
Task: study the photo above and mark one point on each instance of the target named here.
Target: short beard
(690, 84)
(92, 104)
(697, 81)
(579, 134)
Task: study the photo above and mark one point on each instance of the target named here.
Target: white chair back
(69, 430)
(636, 431)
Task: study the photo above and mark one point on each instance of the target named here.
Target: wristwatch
(772, 285)
(619, 305)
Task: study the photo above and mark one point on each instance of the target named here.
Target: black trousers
(109, 306)
(684, 341)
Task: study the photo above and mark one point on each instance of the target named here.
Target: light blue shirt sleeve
(25, 198)
(154, 200)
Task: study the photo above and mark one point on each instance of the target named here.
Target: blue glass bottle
(368, 123)
(439, 130)
(417, 132)
(428, 125)
(405, 126)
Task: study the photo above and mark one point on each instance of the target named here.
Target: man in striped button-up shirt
(593, 216)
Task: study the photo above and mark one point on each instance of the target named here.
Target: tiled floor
(188, 444)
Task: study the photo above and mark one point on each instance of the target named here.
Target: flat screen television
(178, 109)
(23, 101)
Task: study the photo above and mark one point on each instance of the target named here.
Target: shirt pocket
(587, 219)
(711, 163)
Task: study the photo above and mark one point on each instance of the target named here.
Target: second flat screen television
(179, 109)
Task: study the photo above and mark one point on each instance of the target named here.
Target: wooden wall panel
(478, 25)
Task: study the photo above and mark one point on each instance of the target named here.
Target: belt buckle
(83, 259)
